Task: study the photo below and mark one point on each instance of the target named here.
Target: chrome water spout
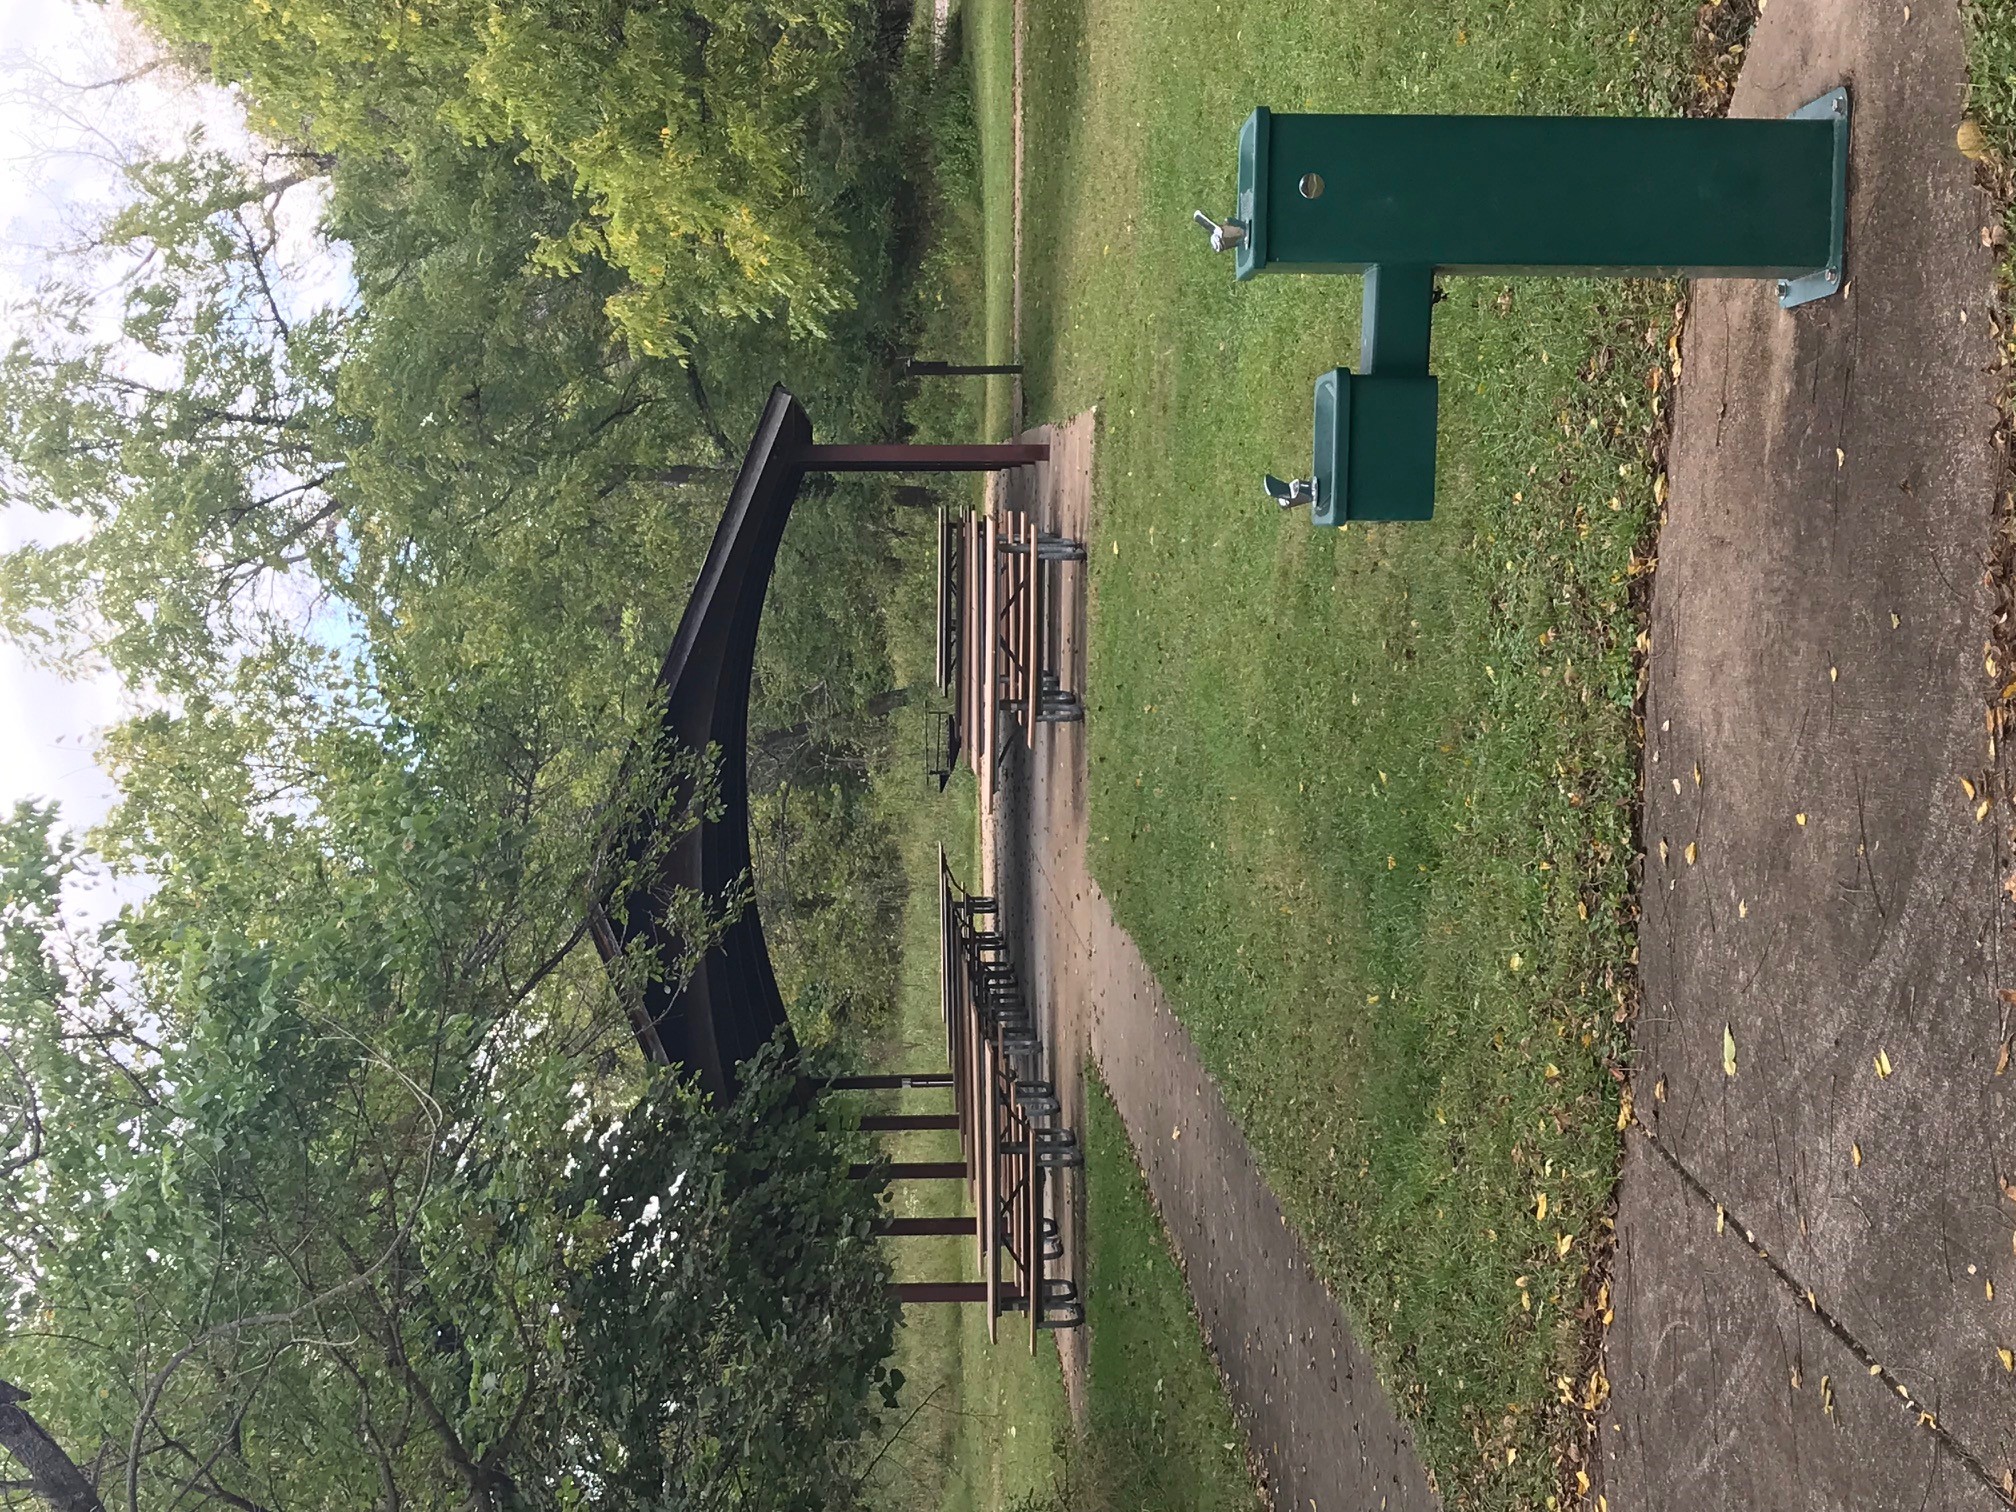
(1226, 236)
(1290, 494)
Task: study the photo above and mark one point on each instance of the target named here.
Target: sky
(60, 147)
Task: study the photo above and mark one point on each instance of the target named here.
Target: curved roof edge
(730, 1006)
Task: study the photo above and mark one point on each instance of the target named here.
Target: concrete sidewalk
(1815, 1269)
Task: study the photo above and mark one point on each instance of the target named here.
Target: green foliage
(1991, 103)
(340, 1209)
(198, 448)
(689, 139)
(1991, 34)
(338, 1180)
(760, 1270)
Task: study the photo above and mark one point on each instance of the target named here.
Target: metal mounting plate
(1819, 284)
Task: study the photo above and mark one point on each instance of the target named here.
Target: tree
(688, 137)
(337, 1180)
(334, 1177)
(198, 445)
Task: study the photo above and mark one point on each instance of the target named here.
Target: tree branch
(705, 406)
(52, 1475)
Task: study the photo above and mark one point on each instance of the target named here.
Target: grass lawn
(1159, 1430)
(987, 34)
(1367, 798)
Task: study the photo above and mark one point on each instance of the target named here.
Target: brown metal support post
(913, 1170)
(906, 457)
(928, 367)
(891, 1123)
(948, 1291)
(884, 1083)
(912, 1228)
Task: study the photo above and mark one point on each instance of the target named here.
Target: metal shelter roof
(731, 1006)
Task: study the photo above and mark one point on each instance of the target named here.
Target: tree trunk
(52, 1475)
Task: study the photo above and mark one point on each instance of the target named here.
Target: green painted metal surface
(1375, 447)
(1516, 194)
(1400, 199)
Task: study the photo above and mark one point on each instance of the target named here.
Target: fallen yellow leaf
(1883, 1064)
(1971, 140)
(1582, 1476)
(1981, 812)
(1691, 853)
(1855, 1154)
(1966, 787)
(2002, 1060)
(1728, 1052)
(1624, 1112)
(1721, 1218)
(1800, 820)
(1564, 1244)
(1540, 1208)
(2008, 1359)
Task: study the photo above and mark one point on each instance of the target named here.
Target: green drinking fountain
(1400, 199)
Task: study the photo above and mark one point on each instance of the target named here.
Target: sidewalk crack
(1803, 1294)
